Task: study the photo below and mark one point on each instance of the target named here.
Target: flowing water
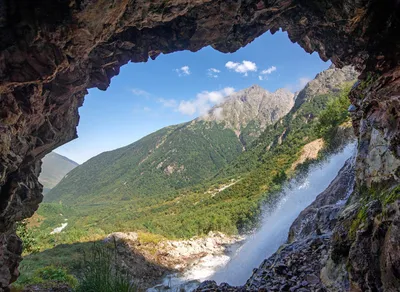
(236, 267)
(59, 229)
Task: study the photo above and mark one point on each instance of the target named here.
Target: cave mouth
(51, 53)
(132, 101)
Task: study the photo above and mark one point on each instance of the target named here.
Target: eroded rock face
(320, 217)
(51, 52)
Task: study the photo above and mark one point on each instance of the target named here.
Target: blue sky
(178, 87)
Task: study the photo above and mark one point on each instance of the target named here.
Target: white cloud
(218, 113)
(140, 92)
(167, 102)
(265, 72)
(146, 109)
(187, 107)
(183, 71)
(213, 73)
(299, 85)
(204, 101)
(268, 71)
(303, 82)
(243, 68)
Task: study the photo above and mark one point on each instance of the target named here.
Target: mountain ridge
(169, 159)
(251, 104)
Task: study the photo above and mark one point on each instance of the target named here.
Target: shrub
(29, 242)
(49, 276)
(335, 113)
(51, 273)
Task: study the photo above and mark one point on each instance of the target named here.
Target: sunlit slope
(160, 163)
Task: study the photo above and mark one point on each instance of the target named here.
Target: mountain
(250, 111)
(192, 178)
(178, 156)
(54, 168)
(296, 127)
(325, 82)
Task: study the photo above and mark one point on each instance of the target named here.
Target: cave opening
(49, 60)
(145, 97)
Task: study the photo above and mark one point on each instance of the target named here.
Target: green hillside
(157, 165)
(176, 157)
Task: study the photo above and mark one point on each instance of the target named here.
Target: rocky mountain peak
(252, 104)
(329, 80)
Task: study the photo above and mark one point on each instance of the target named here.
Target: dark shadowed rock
(321, 216)
(51, 52)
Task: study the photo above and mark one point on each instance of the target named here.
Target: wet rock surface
(321, 216)
(365, 242)
(51, 52)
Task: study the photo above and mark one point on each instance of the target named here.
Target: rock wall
(51, 52)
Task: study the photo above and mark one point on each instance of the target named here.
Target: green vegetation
(151, 169)
(68, 258)
(48, 277)
(29, 242)
(151, 187)
(88, 266)
(335, 114)
(101, 275)
(359, 219)
(391, 195)
(176, 209)
(386, 196)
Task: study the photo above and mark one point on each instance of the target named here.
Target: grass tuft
(101, 274)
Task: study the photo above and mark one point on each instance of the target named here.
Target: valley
(157, 186)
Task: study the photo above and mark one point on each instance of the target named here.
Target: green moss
(360, 218)
(383, 194)
(391, 196)
(368, 81)
(386, 195)
(150, 238)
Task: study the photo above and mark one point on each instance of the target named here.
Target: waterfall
(236, 267)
